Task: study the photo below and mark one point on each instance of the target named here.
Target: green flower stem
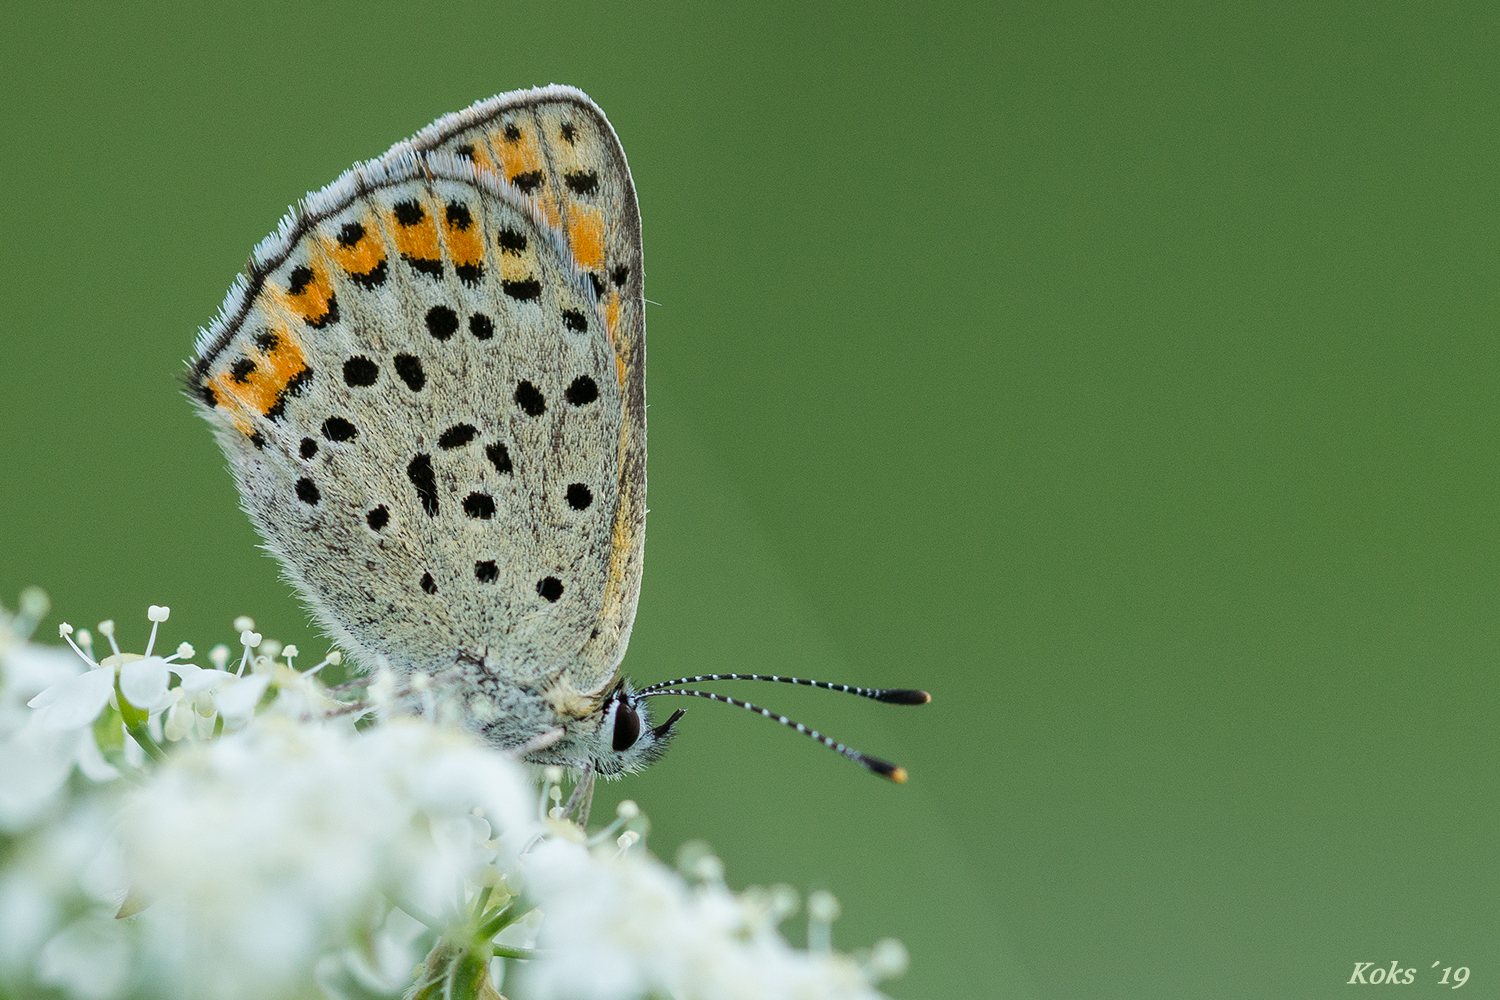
(415, 911)
(468, 973)
(142, 735)
(482, 901)
(453, 973)
(135, 723)
(506, 951)
(110, 735)
(500, 920)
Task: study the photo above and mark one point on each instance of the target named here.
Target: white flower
(34, 760)
(75, 702)
(266, 847)
(144, 683)
(624, 927)
(49, 876)
(90, 959)
(260, 850)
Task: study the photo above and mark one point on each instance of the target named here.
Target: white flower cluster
(169, 830)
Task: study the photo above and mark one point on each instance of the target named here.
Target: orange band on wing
(464, 238)
(476, 149)
(258, 381)
(586, 236)
(357, 248)
(612, 321)
(309, 295)
(517, 148)
(520, 155)
(414, 231)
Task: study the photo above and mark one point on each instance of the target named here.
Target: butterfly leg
(582, 797)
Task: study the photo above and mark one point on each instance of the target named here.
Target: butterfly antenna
(891, 696)
(874, 764)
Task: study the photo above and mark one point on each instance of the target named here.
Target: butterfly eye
(627, 725)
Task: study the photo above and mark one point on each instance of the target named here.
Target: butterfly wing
(556, 148)
(418, 396)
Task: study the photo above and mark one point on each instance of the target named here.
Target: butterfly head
(622, 740)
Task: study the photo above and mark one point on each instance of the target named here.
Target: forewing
(557, 149)
(419, 401)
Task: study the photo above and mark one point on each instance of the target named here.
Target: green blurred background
(1127, 380)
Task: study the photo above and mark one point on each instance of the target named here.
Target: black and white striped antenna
(891, 696)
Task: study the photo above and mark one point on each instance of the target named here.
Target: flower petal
(202, 680)
(75, 702)
(237, 703)
(144, 683)
(34, 763)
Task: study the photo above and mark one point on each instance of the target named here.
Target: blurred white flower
(260, 850)
(34, 760)
(48, 878)
(623, 926)
(265, 846)
(75, 702)
(89, 960)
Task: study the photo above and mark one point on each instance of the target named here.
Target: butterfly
(430, 386)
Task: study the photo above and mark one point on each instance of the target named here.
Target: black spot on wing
(408, 213)
(409, 370)
(486, 571)
(481, 326)
(457, 436)
(307, 491)
(574, 320)
(499, 457)
(479, 505)
(580, 496)
(530, 399)
(331, 315)
(511, 241)
(360, 371)
(419, 471)
(550, 587)
(339, 429)
(457, 214)
(529, 181)
(442, 322)
(308, 448)
(422, 265)
(582, 181)
(373, 278)
(524, 291)
(582, 391)
(378, 518)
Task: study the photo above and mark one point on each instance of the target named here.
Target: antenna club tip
(904, 696)
(885, 769)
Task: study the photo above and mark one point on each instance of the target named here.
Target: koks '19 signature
(1369, 974)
